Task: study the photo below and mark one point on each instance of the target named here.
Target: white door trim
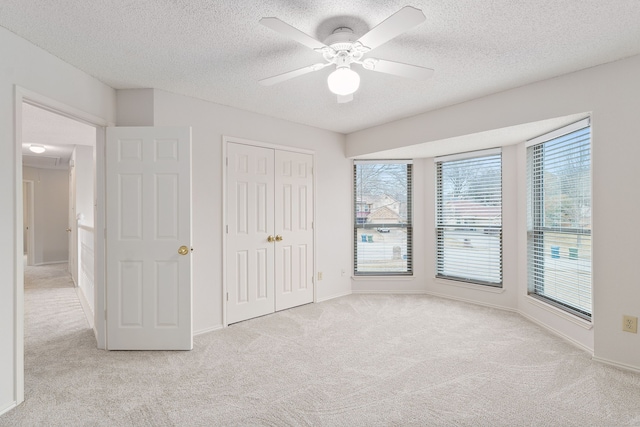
(226, 139)
(230, 139)
(30, 220)
(34, 98)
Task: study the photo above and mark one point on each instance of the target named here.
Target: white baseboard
(344, 294)
(85, 307)
(616, 364)
(51, 263)
(8, 408)
(470, 301)
(390, 292)
(207, 330)
(557, 332)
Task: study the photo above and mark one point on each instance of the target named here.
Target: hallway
(55, 330)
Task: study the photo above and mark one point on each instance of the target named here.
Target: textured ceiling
(216, 49)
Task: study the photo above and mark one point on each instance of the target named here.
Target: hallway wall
(51, 207)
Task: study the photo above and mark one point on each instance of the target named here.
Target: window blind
(383, 230)
(469, 218)
(559, 220)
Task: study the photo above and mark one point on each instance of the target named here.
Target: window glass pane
(469, 219)
(382, 223)
(559, 221)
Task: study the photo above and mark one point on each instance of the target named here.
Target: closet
(269, 230)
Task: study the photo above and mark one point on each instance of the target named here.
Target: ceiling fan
(340, 49)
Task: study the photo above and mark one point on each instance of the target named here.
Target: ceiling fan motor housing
(342, 38)
(342, 48)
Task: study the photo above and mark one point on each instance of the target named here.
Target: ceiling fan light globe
(36, 148)
(343, 81)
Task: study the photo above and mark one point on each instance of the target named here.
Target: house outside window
(559, 218)
(469, 217)
(382, 223)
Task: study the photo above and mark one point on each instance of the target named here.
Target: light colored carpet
(361, 360)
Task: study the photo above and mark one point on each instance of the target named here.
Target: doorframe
(30, 188)
(72, 227)
(23, 95)
(231, 139)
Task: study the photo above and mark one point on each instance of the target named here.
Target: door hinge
(105, 315)
(227, 227)
(226, 161)
(227, 296)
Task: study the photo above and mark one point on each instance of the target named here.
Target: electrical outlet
(319, 275)
(630, 324)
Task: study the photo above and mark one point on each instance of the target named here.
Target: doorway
(26, 99)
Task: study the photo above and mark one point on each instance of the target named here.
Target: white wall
(209, 123)
(31, 68)
(83, 158)
(51, 207)
(611, 94)
(134, 107)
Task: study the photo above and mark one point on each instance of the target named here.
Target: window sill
(475, 287)
(560, 313)
(382, 278)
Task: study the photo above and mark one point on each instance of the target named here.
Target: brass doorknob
(183, 250)
(278, 238)
(271, 239)
(68, 230)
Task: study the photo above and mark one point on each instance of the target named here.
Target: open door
(148, 229)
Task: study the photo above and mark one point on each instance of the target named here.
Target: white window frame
(441, 228)
(408, 225)
(536, 228)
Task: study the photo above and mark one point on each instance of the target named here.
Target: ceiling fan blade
(343, 99)
(397, 68)
(291, 74)
(401, 21)
(293, 33)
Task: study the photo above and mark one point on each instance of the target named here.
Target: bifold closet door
(250, 221)
(269, 264)
(294, 229)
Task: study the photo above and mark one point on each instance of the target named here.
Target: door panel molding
(249, 223)
(148, 221)
(296, 216)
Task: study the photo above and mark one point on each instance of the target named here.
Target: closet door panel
(250, 222)
(294, 229)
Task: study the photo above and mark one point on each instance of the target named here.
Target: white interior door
(294, 229)
(148, 222)
(250, 224)
(269, 264)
